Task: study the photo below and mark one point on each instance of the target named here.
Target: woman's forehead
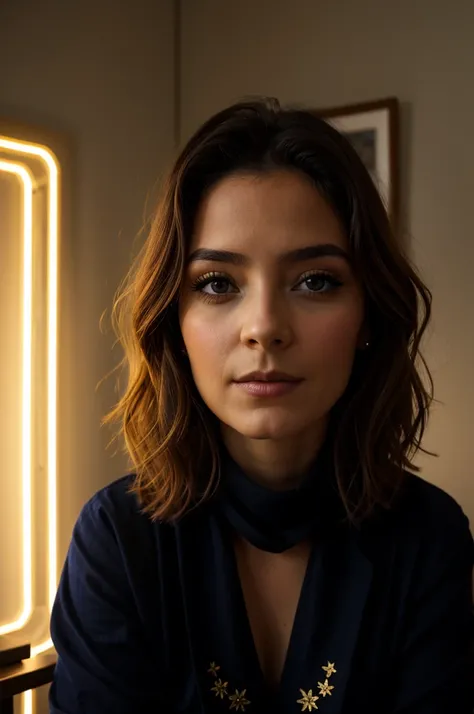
(281, 210)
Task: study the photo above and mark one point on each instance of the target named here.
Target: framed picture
(372, 129)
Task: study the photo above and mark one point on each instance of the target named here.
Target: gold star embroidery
(325, 688)
(329, 669)
(220, 688)
(213, 669)
(308, 701)
(239, 702)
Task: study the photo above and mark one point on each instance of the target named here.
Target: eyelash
(200, 283)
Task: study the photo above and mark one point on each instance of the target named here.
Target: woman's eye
(219, 286)
(213, 286)
(318, 283)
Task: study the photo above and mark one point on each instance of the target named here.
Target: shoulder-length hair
(377, 425)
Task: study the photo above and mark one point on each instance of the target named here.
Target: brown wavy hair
(170, 434)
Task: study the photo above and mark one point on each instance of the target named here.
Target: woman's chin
(267, 427)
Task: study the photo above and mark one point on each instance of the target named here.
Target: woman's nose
(266, 323)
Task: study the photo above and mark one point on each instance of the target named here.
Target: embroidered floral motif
(325, 688)
(220, 688)
(213, 669)
(329, 669)
(308, 701)
(239, 702)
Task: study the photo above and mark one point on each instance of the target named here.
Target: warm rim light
(43, 153)
(26, 180)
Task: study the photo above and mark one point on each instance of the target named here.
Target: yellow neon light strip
(41, 152)
(26, 474)
(27, 701)
(49, 159)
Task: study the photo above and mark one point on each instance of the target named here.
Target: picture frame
(373, 130)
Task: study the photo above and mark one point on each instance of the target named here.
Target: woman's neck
(277, 464)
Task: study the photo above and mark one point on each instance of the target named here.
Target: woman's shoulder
(116, 496)
(115, 501)
(114, 538)
(421, 504)
(114, 513)
(425, 517)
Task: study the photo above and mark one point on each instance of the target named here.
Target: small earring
(183, 351)
(367, 345)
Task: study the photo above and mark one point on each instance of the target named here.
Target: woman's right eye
(218, 286)
(213, 285)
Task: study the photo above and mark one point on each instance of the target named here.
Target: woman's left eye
(318, 283)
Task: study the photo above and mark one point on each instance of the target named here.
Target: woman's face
(269, 287)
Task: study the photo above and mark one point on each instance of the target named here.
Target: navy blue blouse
(150, 617)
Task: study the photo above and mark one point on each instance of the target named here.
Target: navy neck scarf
(275, 521)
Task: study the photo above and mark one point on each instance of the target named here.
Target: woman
(273, 550)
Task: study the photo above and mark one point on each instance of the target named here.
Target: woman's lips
(268, 389)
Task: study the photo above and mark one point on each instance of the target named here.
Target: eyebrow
(293, 256)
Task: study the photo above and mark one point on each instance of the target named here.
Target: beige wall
(329, 53)
(101, 71)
